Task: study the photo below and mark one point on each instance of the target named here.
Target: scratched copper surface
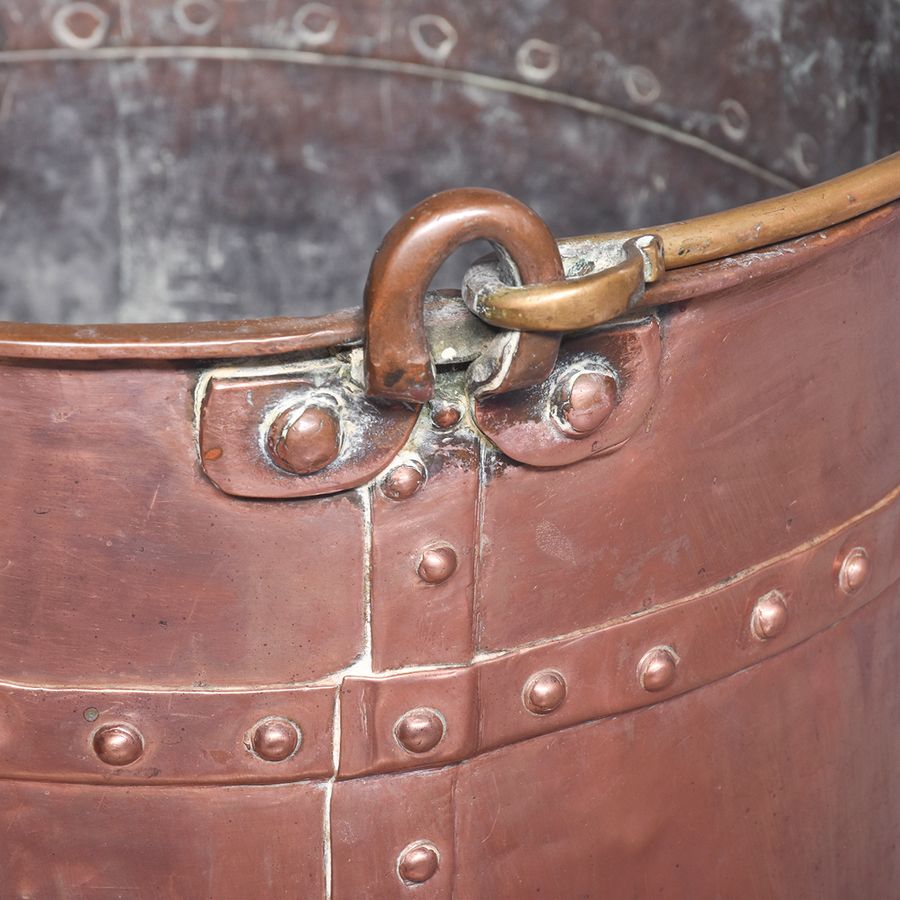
(665, 665)
(775, 419)
(122, 564)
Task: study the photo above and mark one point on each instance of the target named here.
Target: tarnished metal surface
(427, 620)
(770, 426)
(662, 803)
(162, 842)
(150, 212)
(626, 662)
(628, 630)
(122, 565)
(238, 410)
(398, 365)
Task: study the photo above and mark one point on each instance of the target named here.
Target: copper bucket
(573, 576)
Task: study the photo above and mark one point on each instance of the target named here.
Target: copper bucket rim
(691, 242)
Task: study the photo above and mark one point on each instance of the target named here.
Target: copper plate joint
(657, 669)
(303, 440)
(118, 745)
(544, 692)
(418, 863)
(853, 570)
(274, 739)
(770, 616)
(420, 730)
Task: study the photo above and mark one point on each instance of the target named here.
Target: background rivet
(420, 730)
(437, 564)
(118, 745)
(769, 616)
(445, 415)
(657, 668)
(418, 862)
(275, 739)
(304, 440)
(403, 481)
(854, 570)
(544, 692)
(584, 402)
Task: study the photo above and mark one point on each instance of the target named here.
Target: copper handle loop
(398, 364)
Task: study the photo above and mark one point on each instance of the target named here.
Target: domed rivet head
(304, 440)
(657, 669)
(418, 863)
(583, 402)
(274, 739)
(544, 692)
(445, 415)
(437, 564)
(420, 730)
(403, 481)
(118, 745)
(770, 616)
(853, 570)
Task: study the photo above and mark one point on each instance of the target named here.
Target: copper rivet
(445, 416)
(303, 441)
(275, 739)
(657, 669)
(544, 692)
(585, 403)
(770, 616)
(854, 570)
(420, 730)
(403, 481)
(437, 564)
(118, 745)
(418, 862)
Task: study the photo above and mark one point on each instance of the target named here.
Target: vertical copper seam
(327, 854)
(484, 454)
(454, 779)
(364, 661)
(361, 665)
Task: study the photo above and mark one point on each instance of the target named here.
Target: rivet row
(421, 730)
(273, 739)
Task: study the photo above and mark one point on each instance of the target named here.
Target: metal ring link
(575, 304)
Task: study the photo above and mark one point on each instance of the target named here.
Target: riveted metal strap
(426, 718)
(625, 664)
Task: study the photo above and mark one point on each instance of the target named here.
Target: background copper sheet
(775, 420)
(781, 781)
(201, 159)
(123, 565)
(93, 843)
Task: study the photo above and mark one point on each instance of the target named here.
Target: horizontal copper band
(710, 633)
(202, 737)
(189, 737)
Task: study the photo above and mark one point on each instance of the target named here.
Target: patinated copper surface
(394, 602)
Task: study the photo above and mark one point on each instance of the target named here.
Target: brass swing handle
(575, 304)
(537, 308)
